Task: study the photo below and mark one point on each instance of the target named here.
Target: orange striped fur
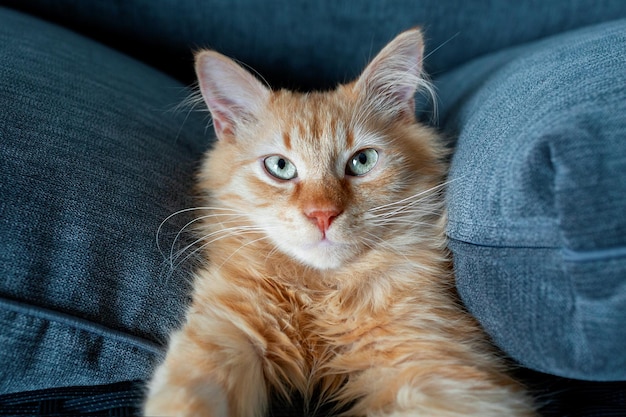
(327, 281)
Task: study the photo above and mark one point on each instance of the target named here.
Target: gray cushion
(93, 157)
(537, 200)
(304, 44)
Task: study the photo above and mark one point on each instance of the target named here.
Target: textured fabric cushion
(306, 44)
(122, 399)
(93, 157)
(538, 199)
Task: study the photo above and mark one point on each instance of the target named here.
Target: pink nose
(323, 218)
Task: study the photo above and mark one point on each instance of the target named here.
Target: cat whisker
(411, 199)
(235, 218)
(186, 210)
(225, 232)
(241, 247)
(406, 213)
(220, 212)
(402, 222)
(409, 210)
(376, 242)
(417, 205)
(271, 253)
(212, 238)
(392, 207)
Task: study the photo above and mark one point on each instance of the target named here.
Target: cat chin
(322, 263)
(324, 255)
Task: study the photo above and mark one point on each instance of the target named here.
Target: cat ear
(390, 81)
(233, 95)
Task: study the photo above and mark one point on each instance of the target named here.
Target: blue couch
(96, 152)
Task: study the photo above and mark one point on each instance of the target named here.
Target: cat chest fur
(307, 334)
(285, 327)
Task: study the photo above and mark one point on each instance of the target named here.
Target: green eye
(280, 167)
(362, 162)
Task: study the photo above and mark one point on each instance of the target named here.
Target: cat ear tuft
(232, 94)
(391, 79)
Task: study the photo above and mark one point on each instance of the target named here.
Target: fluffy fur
(327, 281)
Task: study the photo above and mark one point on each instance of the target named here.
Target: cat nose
(323, 218)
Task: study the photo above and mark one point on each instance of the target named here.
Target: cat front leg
(206, 376)
(169, 397)
(435, 390)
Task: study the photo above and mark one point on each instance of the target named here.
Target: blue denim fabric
(538, 196)
(316, 43)
(122, 399)
(93, 157)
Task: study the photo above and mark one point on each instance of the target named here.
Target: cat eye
(362, 162)
(280, 167)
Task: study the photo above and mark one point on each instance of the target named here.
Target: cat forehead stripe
(287, 140)
(349, 138)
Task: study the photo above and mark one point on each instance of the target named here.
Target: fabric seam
(79, 324)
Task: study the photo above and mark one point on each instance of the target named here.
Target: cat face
(325, 176)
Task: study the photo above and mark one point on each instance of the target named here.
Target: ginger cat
(327, 266)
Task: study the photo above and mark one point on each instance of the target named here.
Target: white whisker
(377, 241)
(425, 209)
(179, 212)
(222, 215)
(200, 218)
(411, 198)
(241, 247)
(215, 236)
(402, 222)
